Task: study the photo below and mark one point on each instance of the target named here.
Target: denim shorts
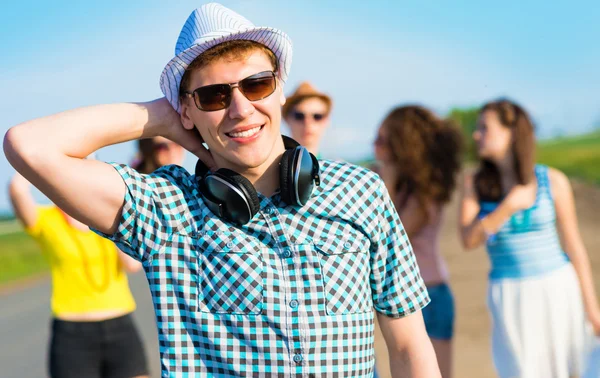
(439, 313)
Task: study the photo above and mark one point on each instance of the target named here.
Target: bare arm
(573, 244)
(474, 231)
(22, 200)
(50, 153)
(410, 350)
(129, 264)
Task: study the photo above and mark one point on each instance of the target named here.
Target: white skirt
(539, 326)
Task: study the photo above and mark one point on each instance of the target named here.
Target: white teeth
(245, 134)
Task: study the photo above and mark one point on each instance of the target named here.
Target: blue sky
(369, 56)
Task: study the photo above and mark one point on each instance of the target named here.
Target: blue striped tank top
(528, 243)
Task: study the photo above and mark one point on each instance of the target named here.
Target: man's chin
(246, 162)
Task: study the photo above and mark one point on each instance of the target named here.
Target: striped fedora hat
(210, 25)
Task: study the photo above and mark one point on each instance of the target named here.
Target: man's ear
(186, 119)
(282, 98)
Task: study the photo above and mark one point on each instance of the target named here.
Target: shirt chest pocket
(230, 279)
(346, 270)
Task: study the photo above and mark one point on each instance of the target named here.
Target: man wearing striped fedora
(267, 262)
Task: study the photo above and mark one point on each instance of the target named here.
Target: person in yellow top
(93, 333)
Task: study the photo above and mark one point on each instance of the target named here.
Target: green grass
(20, 257)
(575, 156)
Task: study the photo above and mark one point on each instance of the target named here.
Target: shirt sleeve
(396, 283)
(152, 208)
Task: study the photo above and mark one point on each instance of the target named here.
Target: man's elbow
(20, 148)
(416, 359)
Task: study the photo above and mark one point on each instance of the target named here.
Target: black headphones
(231, 196)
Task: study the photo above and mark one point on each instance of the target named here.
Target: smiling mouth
(245, 133)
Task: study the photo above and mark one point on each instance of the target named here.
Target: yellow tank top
(86, 270)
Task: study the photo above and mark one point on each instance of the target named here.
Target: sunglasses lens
(318, 116)
(298, 116)
(213, 97)
(218, 96)
(258, 86)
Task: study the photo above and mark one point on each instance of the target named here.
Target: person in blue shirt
(265, 262)
(541, 293)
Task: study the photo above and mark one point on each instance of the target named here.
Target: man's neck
(264, 178)
(268, 181)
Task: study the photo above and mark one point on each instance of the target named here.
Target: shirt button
(269, 210)
(298, 358)
(287, 254)
(347, 245)
(230, 245)
(294, 303)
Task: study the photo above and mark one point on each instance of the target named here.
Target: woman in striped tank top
(540, 281)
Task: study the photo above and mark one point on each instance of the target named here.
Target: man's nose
(240, 107)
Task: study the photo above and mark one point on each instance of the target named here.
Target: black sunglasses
(218, 96)
(299, 116)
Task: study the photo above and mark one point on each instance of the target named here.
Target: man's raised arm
(50, 153)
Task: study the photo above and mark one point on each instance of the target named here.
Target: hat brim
(293, 100)
(275, 40)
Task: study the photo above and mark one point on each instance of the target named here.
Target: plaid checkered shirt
(290, 294)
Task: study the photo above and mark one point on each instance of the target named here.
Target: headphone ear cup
(285, 179)
(245, 186)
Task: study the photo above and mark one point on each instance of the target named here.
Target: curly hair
(427, 154)
(488, 185)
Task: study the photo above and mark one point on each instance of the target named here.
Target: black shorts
(104, 349)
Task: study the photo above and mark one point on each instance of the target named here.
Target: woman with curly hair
(419, 157)
(540, 280)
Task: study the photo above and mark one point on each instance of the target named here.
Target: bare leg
(443, 351)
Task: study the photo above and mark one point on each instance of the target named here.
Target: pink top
(426, 244)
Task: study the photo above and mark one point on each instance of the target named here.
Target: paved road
(24, 326)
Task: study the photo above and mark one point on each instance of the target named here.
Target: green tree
(466, 118)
